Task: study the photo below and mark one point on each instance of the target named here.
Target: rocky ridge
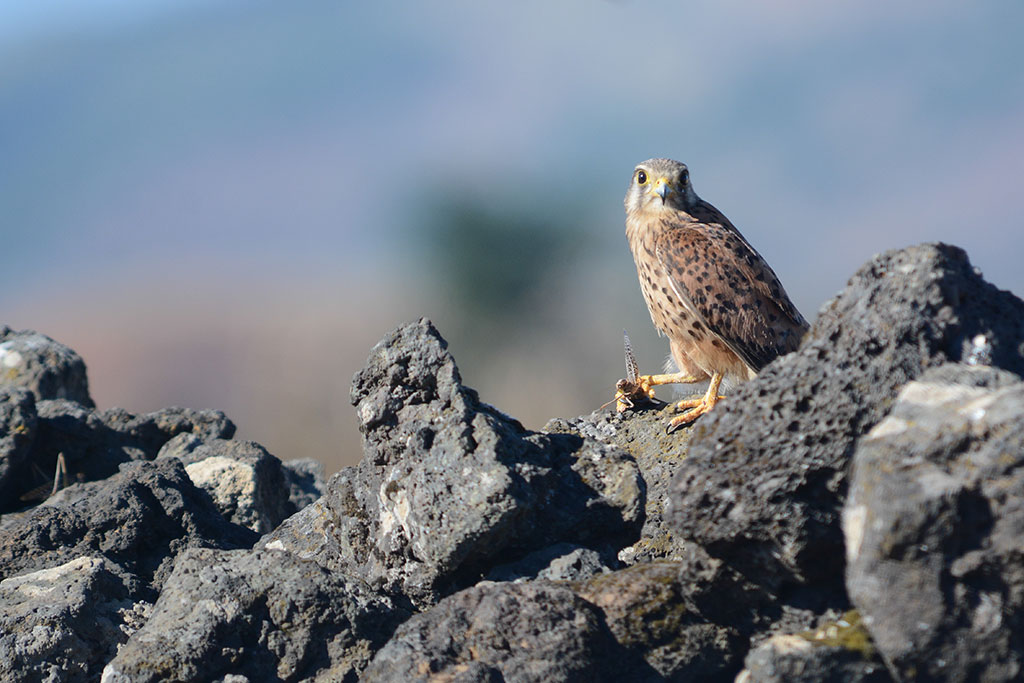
(852, 514)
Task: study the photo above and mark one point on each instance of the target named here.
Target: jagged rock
(449, 487)
(138, 519)
(933, 524)
(95, 443)
(534, 631)
(559, 562)
(47, 368)
(305, 479)
(62, 623)
(246, 483)
(642, 434)
(17, 432)
(840, 651)
(765, 476)
(263, 615)
(182, 446)
(655, 610)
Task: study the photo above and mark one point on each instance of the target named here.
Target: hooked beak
(662, 188)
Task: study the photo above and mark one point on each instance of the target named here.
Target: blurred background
(226, 204)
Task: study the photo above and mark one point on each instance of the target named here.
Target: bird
(722, 307)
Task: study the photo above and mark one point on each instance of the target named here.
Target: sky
(182, 180)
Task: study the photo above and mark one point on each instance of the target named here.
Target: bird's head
(659, 184)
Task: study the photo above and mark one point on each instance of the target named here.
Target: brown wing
(728, 286)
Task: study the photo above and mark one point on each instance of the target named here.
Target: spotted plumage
(721, 306)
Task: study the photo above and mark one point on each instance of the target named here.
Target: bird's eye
(683, 177)
(641, 178)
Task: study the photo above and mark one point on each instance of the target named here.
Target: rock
(240, 493)
(641, 433)
(934, 522)
(654, 611)
(118, 436)
(559, 562)
(305, 479)
(246, 483)
(17, 432)
(139, 519)
(45, 367)
(764, 480)
(841, 651)
(95, 443)
(532, 631)
(449, 487)
(263, 615)
(62, 623)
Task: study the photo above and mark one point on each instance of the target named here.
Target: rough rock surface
(763, 482)
(305, 479)
(17, 432)
(95, 443)
(934, 527)
(558, 562)
(394, 520)
(652, 610)
(62, 623)
(642, 434)
(506, 631)
(840, 651)
(246, 483)
(260, 614)
(139, 519)
(47, 368)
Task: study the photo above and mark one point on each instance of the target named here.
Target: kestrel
(721, 306)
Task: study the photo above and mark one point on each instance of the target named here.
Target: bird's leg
(647, 382)
(699, 406)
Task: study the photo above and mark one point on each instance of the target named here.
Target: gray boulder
(95, 443)
(47, 368)
(934, 523)
(659, 611)
(559, 562)
(841, 652)
(659, 455)
(532, 631)
(764, 480)
(246, 483)
(17, 432)
(449, 487)
(260, 615)
(139, 519)
(63, 623)
(306, 481)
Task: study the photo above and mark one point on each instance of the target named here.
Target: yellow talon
(697, 406)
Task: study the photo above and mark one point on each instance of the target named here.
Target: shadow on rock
(449, 487)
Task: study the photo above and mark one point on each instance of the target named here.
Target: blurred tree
(495, 262)
(532, 294)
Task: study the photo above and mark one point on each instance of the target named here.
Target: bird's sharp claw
(696, 407)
